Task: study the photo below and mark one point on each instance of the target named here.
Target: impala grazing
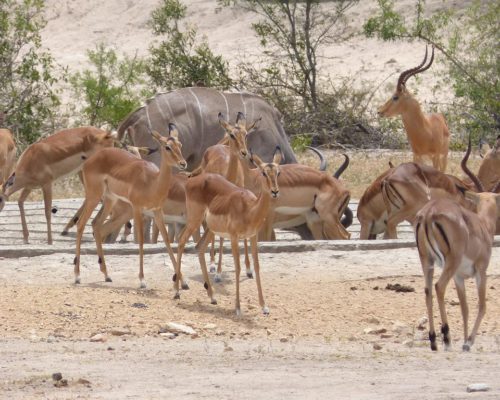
(230, 212)
(49, 159)
(114, 174)
(459, 241)
(427, 133)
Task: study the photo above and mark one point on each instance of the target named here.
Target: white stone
(179, 328)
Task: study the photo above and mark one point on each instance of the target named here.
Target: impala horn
(466, 169)
(342, 168)
(323, 164)
(405, 75)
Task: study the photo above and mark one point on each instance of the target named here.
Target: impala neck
(232, 168)
(164, 175)
(414, 120)
(487, 212)
(261, 208)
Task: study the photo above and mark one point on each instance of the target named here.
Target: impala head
(103, 139)
(236, 135)
(270, 171)
(401, 98)
(170, 147)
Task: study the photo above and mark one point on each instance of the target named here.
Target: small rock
(110, 348)
(228, 348)
(386, 336)
(98, 338)
(397, 287)
(454, 302)
(354, 288)
(376, 346)
(422, 323)
(408, 343)
(477, 387)
(372, 320)
(82, 381)
(195, 336)
(61, 383)
(56, 376)
(120, 332)
(375, 288)
(174, 327)
(399, 327)
(374, 331)
(168, 335)
(220, 333)
(139, 305)
(283, 339)
(210, 326)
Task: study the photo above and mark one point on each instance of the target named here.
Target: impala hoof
(250, 275)
(212, 269)
(265, 310)
(77, 281)
(185, 286)
(143, 285)
(64, 233)
(218, 278)
(177, 296)
(214, 302)
(108, 279)
(238, 312)
(466, 347)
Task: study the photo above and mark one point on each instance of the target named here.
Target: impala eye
(264, 174)
(232, 136)
(168, 148)
(395, 98)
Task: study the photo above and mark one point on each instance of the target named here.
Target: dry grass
(364, 167)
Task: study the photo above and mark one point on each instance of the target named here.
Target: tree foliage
(111, 89)
(180, 60)
(27, 97)
(469, 43)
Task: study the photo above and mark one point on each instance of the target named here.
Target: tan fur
(408, 187)
(7, 155)
(115, 174)
(461, 240)
(229, 211)
(49, 159)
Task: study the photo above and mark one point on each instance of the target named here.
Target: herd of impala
(234, 194)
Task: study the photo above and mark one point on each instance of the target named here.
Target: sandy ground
(334, 331)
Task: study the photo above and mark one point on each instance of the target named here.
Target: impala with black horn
(427, 133)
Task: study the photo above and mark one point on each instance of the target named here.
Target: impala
(372, 212)
(7, 156)
(459, 241)
(409, 186)
(231, 212)
(49, 159)
(427, 133)
(114, 174)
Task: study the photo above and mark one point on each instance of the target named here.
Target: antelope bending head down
(427, 133)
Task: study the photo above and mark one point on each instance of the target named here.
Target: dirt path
(334, 331)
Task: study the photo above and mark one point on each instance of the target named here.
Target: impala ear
(391, 165)
(156, 136)
(255, 159)
(253, 126)
(241, 121)
(223, 122)
(474, 197)
(278, 156)
(172, 131)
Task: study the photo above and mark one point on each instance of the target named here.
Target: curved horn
(496, 187)
(342, 168)
(418, 71)
(469, 173)
(323, 165)
(404, 75)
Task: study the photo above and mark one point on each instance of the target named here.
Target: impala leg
(47, 201)
(202, 246)
(158, 216)
(97, 228)
(20, 202)
(72, 222)
(185, 234)
(428, 278)
(212, 255)
(155, 233)
(218, 275)
(89, 205)
(237, 269)
(481, 292)
(464, 308)
(138, 223)
(440, 286)
(247, 261)
(255, 256)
